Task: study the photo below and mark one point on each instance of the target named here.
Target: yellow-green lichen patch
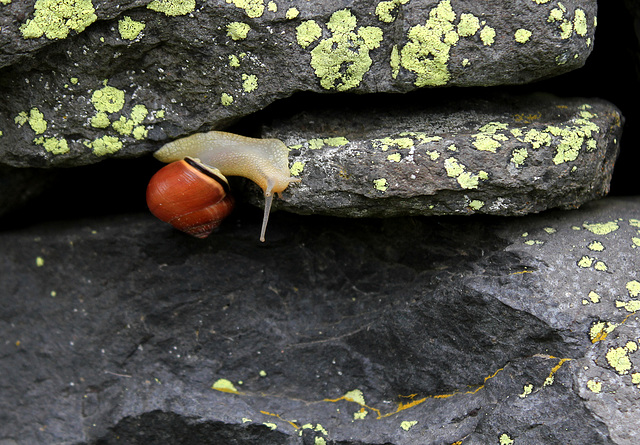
(238, 30)
(427, 51)
(488, 36)
(380, 184)
(596, 246)
(307, 33)
(249, 82)
(226, 99)
(39, 261)
(629, 306)
(518, 156)
(56, 146)
(586, 262)
(594, 386)
(360, 415)
(594, 297)
(633, 287)
(342, 60)
(296, 168)
(272, 7)
(224, 385)
(385, 9)
(390, 142)
(395, 157)
(292, 13)
(635, 378)
(317, 143)
(129, 29)
(467, 180)
(602, 228)
(526, 391)
(489, 139)
(108, 99)
(173, 7)
(600, 330)
(580, 22)
(634, 223)
(35, 118)
(504, 439)
(126, 126)
(104, 145)
(566, 25)
(319, 441)
(253, 8)
(55, 18)
(522, 35)
(100, 120)
(476, 204)
(408, 424)
(5, 2)
(618, 358)
(469, 25)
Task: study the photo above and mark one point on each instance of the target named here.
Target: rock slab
(475, 330)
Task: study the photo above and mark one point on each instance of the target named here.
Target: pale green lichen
(53, 145)
(292, 13)
(580, 22)
(108, 99)
(380, 184)
(55, 18)
(469, 25)
(602, 228)
(272, 7)
(390, 142)
(476, 204)
(427, 51)
(467, 180)
(522, 35)
(618, 359)
(35, 118)
(100, 120)
(408, 424)
(238, 30)
(585, 262)
(296, 168)
(104, 145)
(394, 61)
(596, 246)
(342, 60)
(224, 385)
(395, 157)
(253, 8)
(234, 62)
(307, 33)
(506, 440)
(634, 288)
(526, 391)
(488, 35)
(226, 99)
(489, 139)
(129, 29)
(518, 156)
(594, 386)
(249, 82)
(74, 80)
(173, 7)
(384, 10)
(317, 143)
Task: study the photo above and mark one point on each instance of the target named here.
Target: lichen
(55, 18)
(489, 139)
(226, 99)
(249, 82)
(602, 228)
(408, 424)
(380, 184)
(224, 385)
(104, 145)
(518, 156)
(292, 13)
(307, 33)
(108, 99)
(488, 35)
(522, 35)
(173, 7)
(342, 60)
(238, 30)
(384, 10)
(129, 29)
(467, 180)
(296, 168)
(53, 145)
(253, 8)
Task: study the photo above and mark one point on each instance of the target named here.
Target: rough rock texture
(508, 155)
(402, 331)
(88, 79)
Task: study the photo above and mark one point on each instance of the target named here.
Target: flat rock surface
(86, 80)
(504, 155)
(415, 330)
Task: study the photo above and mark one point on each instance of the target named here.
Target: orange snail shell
(189, 196)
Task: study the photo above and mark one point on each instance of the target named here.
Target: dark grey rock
(508, 155)
(400, 331)
(119, 77)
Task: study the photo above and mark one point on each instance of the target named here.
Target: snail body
(264, 161)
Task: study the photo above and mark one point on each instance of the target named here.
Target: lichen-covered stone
(399, 331)
(500, 156)
(197, 65)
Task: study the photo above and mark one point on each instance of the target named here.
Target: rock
(350, 331)
(18, 186)
(94, 79)
(508, 155)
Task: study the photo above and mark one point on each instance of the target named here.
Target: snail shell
(190, 196)
(264, 161)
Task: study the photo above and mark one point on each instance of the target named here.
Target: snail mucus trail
(191, 193)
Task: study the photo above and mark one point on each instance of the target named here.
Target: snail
(191, 193)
